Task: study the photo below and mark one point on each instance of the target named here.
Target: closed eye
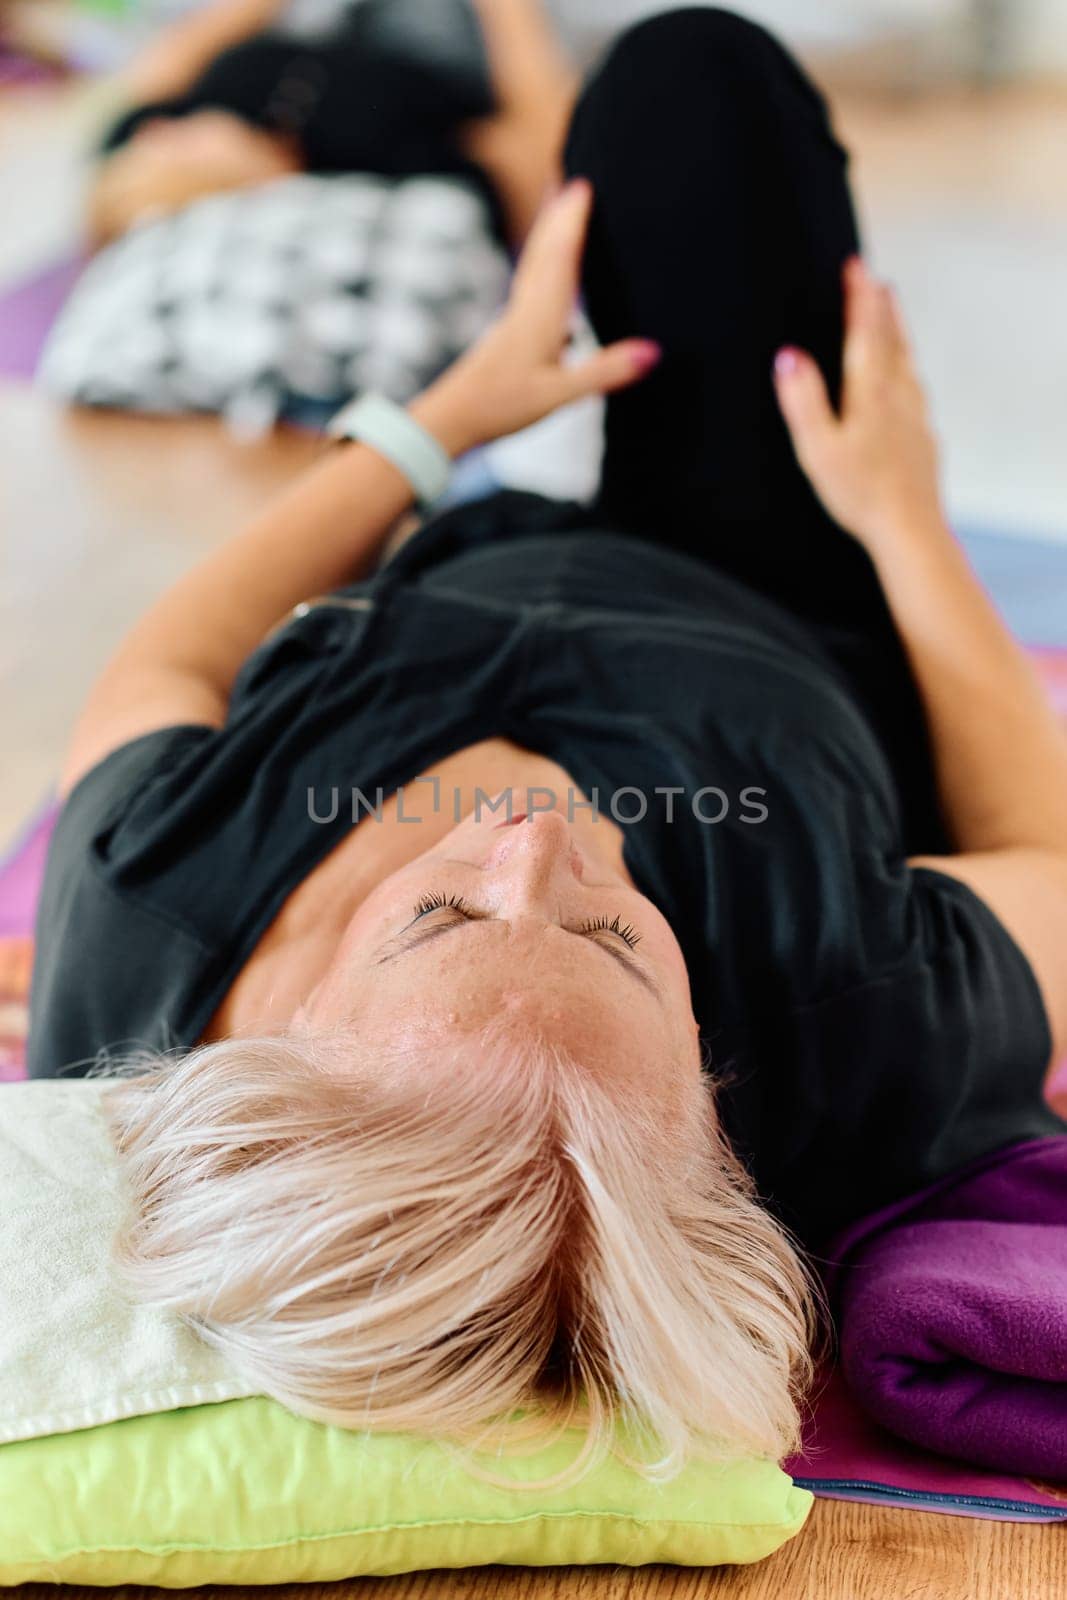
(441, 902)
(621, 937)
(625, 931)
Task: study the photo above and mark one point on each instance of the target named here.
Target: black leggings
(721, 221)
(722, 218)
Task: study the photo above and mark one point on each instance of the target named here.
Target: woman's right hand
(518, 370)
(874, 466)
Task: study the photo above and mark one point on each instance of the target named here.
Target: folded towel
(953, 1315)
(74, 1351)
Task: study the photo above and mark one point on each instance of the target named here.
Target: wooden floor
(98, 512)
(846, 1552)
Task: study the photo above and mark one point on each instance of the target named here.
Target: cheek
(447, 993)
(420, 1014)
(666, 953)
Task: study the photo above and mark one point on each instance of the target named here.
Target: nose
(535, 858)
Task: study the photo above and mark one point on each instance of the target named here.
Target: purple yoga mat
(18, 70)
(847, 1456)
(27, 313)
(21, 872)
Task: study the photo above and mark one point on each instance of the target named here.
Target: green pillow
(246, 1492)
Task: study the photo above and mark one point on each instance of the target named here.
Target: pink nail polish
(786, 361)
(646, 354)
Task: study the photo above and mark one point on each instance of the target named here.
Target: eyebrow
(625, 961)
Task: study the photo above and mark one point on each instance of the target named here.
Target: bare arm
(1000, 749)
(1000, 752)
(171, 63)
(131, 181)
(180, 661)
(535, 86)
(524, 51)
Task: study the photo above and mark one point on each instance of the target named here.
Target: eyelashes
(625, 930)
(435, 902)
(454, 902)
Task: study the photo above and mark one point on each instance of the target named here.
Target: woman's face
(534, 918)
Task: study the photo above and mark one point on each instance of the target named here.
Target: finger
(804, 400)
(871, 340)
(898, 327)
(615, 367)
(861, 295)
(864, 320)
(546, 276)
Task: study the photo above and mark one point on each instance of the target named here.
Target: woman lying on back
(541, 920)
(235, 95)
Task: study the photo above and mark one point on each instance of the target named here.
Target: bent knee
(693, 34)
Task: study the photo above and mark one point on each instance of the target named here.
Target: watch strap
(393, 432)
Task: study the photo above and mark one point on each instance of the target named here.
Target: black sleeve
(122, 130)
(106, 968)
(934, 1060)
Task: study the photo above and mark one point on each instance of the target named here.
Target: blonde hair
(435, 1246)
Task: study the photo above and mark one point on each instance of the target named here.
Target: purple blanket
(952, 1314)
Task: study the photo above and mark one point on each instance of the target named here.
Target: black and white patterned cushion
(308, 289)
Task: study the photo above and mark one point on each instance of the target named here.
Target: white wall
(817, 23)
(1041, 31)
(1034, 32)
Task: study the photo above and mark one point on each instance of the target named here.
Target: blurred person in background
(232, 96)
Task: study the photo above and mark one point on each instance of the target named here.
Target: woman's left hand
(874, 464)
(516, 373)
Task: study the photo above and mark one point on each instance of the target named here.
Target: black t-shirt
(874, 1027)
